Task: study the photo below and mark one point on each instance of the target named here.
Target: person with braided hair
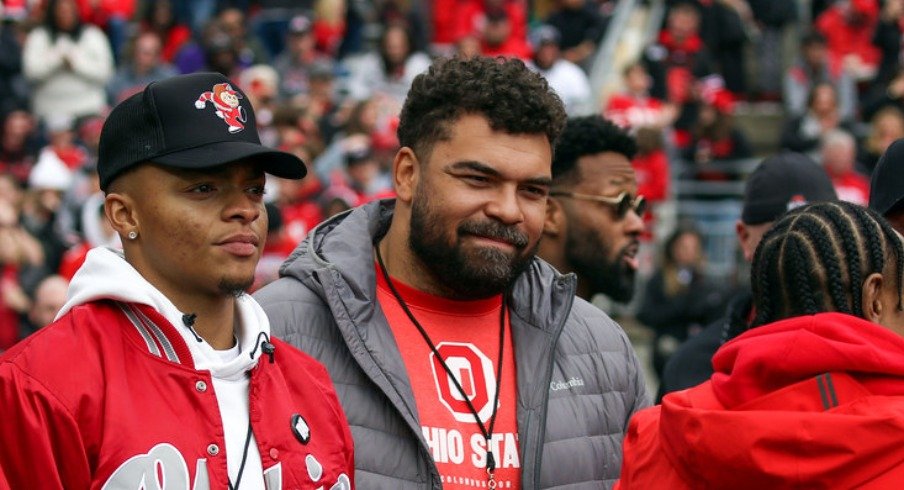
(812, 394)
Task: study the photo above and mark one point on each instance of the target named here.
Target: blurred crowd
(843, 78)
(327, 79)
(832, 71)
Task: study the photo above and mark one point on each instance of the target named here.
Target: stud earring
(133, 235)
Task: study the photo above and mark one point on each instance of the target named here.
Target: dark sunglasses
(622, 202)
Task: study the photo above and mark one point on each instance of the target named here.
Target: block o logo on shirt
(474, 372)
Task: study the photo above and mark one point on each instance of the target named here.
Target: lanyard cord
(238, 478)
(487, 432)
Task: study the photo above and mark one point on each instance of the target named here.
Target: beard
(477, 273)
(591, 259)
(234, 287)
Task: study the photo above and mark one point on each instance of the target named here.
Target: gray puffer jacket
(578, 379)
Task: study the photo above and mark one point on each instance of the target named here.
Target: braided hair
(816, 258)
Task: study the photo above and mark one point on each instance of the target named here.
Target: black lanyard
(238, 478)
(487, 432)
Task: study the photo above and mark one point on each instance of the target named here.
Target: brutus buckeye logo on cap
(226, 105)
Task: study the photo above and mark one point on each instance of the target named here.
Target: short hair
(588, 135)
(634, 65)
(685, 228)
(511, 97)
(685, 7)
(835, 137)
(259, 73)
(816, 258)
(50, 20)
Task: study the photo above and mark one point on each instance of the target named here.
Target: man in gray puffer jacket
(461, 360)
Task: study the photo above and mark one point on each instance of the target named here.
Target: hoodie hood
(93, 220)
(772, 418)
(340, 246)
(768, 358)
(106, 275)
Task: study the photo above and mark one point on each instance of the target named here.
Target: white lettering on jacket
(164, 468)
(141, 471)
(564, 385)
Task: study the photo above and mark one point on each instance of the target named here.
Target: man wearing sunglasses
(593, 216)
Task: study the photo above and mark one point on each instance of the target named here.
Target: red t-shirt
(652, 173)
(73, 156)
(300, 218)
(466, 333)
(630, 111)
(472, 19)
(846, 36)
(73, 260)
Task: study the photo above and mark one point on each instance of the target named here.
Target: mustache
(496, 231)
(635, 243)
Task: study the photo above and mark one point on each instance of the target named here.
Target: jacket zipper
(544, 407)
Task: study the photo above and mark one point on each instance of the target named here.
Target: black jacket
(692, 363)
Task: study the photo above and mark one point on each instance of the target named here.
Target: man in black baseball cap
(886, 194)
(174, 359)
(779, 183)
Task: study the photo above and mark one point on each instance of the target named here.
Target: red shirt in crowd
(99, 12)
(851, 33)
(632, 111)
(473, 17)
(852, 187)
(9, 319)
(299, 219)
(652, 174)
(445, 21)
(173, 40)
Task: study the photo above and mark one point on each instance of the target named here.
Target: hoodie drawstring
(266, 347)
(189, 321)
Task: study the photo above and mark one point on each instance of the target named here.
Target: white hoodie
(106, 275)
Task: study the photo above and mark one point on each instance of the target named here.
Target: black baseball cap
(191, 121)
(886, 191)
(783, 182)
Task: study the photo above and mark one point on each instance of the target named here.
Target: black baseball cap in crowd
(783, 182)
(886, 192)
(191, 121)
